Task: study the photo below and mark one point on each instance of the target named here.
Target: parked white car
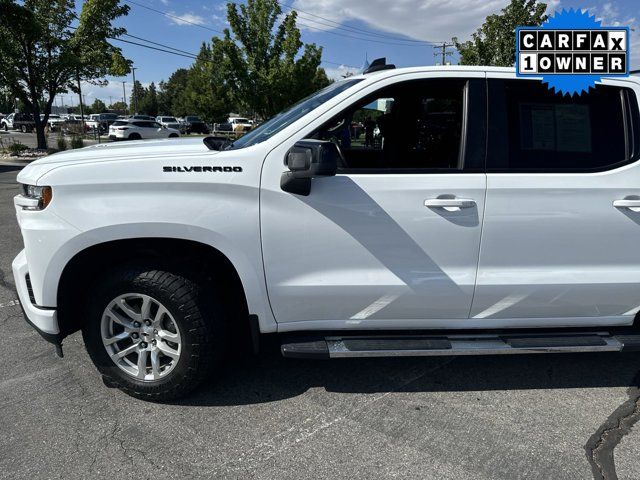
(240, 124)
(497, 217)
(169, 122)
(7, 122)
(55, 121)
(140, 130)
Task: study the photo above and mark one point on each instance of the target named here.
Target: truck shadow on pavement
(270, 378)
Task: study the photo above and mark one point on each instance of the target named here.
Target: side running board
(468, 344)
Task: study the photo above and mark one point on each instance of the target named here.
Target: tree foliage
(98, 106)
(207, 92)
(261, 58)
(46, 49)
(148, 103)
(171, 92)
(494, 43)
(119, 107)
(7, 102)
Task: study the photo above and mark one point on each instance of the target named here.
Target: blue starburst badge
(572, 51)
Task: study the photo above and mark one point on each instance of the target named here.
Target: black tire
(174, 135)
(135, 136)
(23, 128)
(200, 318)
(6, 127)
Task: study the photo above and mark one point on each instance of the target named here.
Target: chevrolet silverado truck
(494, 216)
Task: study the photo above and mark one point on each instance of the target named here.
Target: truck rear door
(562, 221)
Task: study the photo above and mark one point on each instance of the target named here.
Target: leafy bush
(17, 148)
(77, 142)
(62, 143)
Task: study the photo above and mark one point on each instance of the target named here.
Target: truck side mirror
(308, 159)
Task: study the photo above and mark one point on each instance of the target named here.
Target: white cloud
(338, 73)
(186, 19)
(611, 16)
(164, 2)
(112, 92)
(435, 20)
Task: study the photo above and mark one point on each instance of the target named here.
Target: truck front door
(392, 240)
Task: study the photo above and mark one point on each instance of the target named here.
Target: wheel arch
(80, 268)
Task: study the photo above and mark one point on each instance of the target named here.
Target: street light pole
(84, 128)
(124, 98)
(133, 93)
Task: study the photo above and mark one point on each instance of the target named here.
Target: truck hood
(116, 151)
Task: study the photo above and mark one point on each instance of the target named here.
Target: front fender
(247, 263)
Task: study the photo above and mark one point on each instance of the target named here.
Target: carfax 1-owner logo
(572, 51)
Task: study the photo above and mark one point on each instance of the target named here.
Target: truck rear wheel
(153, 334)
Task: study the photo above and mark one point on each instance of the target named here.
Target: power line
(196, 24)
(191, 56)
(350, 28)
(384, 42)
(175, 17)
(184, 53)
(159, 44)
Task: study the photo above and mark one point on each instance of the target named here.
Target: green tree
(87, 110)
(43, 53)
(169, 96)
(98, 106)
(7, 103)
(207, 93)
(137, 94)
(149, 103)
(494, 43)
(262, 62)
(119, 107)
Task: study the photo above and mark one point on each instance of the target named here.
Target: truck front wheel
(152, 333)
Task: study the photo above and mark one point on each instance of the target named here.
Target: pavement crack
(601, 445)
(104, 437)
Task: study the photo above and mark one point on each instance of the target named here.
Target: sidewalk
(15, 163)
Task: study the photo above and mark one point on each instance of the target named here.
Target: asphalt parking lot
(554, 416)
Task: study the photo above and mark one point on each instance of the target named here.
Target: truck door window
(414, 125)
(534, 129)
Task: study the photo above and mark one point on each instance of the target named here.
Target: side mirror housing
(308, 159)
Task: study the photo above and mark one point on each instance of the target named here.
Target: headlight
(36, 197)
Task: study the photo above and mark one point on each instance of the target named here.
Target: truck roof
(459, 69)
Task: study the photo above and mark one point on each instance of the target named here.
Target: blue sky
(348, 31)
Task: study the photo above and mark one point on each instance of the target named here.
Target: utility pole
(84, 128)
(133, 93)
(443, 51)
(124, 98)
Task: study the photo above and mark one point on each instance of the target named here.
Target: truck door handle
(449, 203)
(631, 204)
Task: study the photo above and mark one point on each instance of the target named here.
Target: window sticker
(573, 128)
(561, 128)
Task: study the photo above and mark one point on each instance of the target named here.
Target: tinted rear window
(534, 129)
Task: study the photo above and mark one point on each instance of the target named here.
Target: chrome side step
(456, 344)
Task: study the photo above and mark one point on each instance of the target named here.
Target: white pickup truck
(493, 217)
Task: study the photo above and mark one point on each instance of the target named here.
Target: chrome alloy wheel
(141, 336)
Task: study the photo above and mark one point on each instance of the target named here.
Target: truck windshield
(286, 118)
